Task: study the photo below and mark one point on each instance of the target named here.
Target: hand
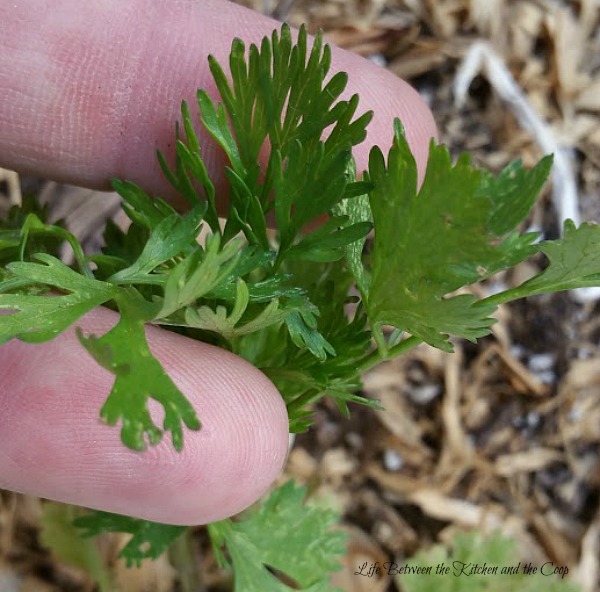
(89, 91)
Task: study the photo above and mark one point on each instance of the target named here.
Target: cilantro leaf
(358, 211)
(513, 192)
(139, 207)
(41, 317)
(300, 543)
(574, 263)
(228, 325)
(448, 235)
(138, 374)
(189, 166)
(302, 326)
(198, 274)
(149, 540)
(278, 95)
(168, 239)
(475, 549)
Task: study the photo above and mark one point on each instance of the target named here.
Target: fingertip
(55, 446)
(242, 446)
(110, 93)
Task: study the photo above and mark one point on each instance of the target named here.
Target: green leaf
(141, 209)
(149, 540)
(41, 318)
(309, 185)
(169, 238)
(358, 211)
(513, 193)
(447, 235)
(227, 325)
(278, 95)
(300, 544)
(471, 551)
(24, 231)
(198, 274)
(189, 166)
(215, 121)
(574, 263)
(139, 376)
(302, 327)
(121, 248)
(328, 241)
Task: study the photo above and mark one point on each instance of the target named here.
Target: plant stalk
(185, 558)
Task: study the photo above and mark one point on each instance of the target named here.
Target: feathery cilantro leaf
(140, 208)
(279, 94)
(293, 526)
(198, 274)
(228, 325)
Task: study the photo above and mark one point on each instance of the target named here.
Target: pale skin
(89, 91)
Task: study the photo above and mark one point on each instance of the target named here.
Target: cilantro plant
(481, 563)
(312, 309)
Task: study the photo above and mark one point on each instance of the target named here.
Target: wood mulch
(503, 434)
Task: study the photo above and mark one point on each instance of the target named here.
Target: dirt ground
(503, 434)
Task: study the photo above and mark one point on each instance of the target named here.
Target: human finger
(90, 91)
(55, 446)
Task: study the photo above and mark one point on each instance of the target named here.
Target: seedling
(281, 302)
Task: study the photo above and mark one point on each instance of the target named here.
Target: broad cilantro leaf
(513, 193)
(149, 540)
(139, 376)
(41, 318)
(574, 263)
(447, 235)
(283, 533)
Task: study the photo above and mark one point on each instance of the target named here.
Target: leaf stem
(503, 297)
(304, 399)
(376, 356)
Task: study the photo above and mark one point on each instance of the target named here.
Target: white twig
(14, 187)
(482, 57)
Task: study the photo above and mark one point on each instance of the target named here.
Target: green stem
(503, 297)
(382, 348)
(376, 356)
(304, 399)
(65, 235)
